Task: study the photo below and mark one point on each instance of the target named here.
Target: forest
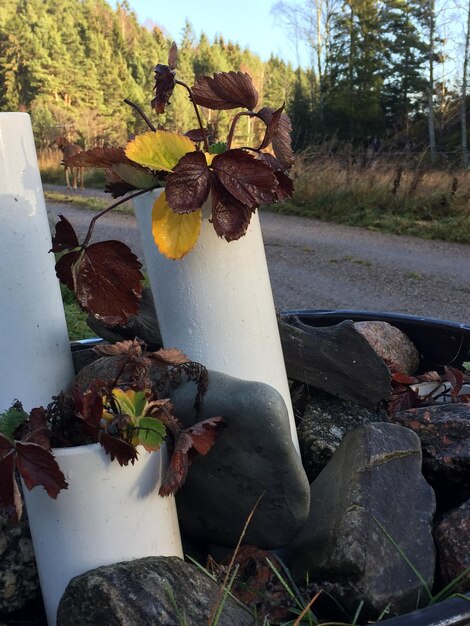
(373, 76)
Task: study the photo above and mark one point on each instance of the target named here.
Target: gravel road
(317, 265)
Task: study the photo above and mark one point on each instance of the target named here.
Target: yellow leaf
(175, 234)
(159, 150)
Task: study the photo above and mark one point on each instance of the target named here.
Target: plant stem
(137, 108)
(206, 143)
(104, 211)
(234, 123)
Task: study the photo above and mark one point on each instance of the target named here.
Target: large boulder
(452, 536)
(391, 344)
(155, 590)
(368, 505)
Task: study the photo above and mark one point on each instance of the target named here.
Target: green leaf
(10, 420)
(132, 403)
(218, 148)
(136, 176)
(151, 433)
(466, 365)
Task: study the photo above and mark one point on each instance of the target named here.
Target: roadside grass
(87, 202)
(431, 204)
(52, 171)
(75, 317)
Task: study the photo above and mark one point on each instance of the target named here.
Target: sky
(248, 22)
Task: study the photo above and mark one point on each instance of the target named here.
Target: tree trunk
(463, 104)
(432, 134)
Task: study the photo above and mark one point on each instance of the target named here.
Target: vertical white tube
(35, 357)
(216, 304)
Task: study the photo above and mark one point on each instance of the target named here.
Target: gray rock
(19, 581)
(254, 456)
(391, 344)
(373, 478)
(452, 536)
(325, 422)
(153, 590)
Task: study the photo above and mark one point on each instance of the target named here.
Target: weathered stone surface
(153, 590)
(336, 359)
(254, 456)
(444, 431)
(452, 536)
(144, 325)
(391, 344)
(19, 581)
(373, 478)
(325, 422)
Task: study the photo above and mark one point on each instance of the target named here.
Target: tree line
(371, 77)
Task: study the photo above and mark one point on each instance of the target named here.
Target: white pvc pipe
(216, 303)
(35, 357)
(108, 514)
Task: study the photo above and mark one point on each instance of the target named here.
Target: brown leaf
(227, 90)
(10, 498)
(39, 431)
(455, 377)
(129, 347)
(65, 237)
(124, 452)
(281, 140)
(165, 76)
(249, 180)
(285, 187)
(404, 379)
(402, 398)
(38, 467)
(118, 188)
(98, 157)
(107, 281)
(272, 127)
(196, 135)
(230, 217)
(169, 356)
(203, 434)
(188, 185)
(429, 377)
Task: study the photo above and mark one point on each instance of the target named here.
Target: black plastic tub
(440, 342)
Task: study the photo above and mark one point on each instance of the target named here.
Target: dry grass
(383, 195)
(52, 170)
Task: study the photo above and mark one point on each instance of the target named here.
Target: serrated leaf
(403, 398)
(272, 127)
(188, 186)
(230, 217)
(281, 139)
(38, 467)
(175, 234)
(196, 134)
(104, 158)
(168, 356)
(203, 434)
(10, 498)
(404, 379)
(249, 180)
(65, 237)
(455, 377)
(151, 433)
(218, 148)
(124, 452)
(131, 402)
(107, 281)
(159, 150)
(38, 428)
(226, 90)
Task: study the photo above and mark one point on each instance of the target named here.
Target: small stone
(452, 536)
(372, 486)
(391, 344)
(325, 422)
(153, 590)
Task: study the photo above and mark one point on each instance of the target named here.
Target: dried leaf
(249, 180)
(118, 188)
(403, 398)
(429, 377)
(107, 280)
(455, 377)
(160, 150)
(285, 187)
(226, 90)
(188, 186)
(230, 217)
(165, 80)
(203, 434)
(10, 498)
(39, 431)
(404, 379)
(129, 347)
(38, 467)
(65, 237)
(168, 356)
(175, 234)
(196, 134)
